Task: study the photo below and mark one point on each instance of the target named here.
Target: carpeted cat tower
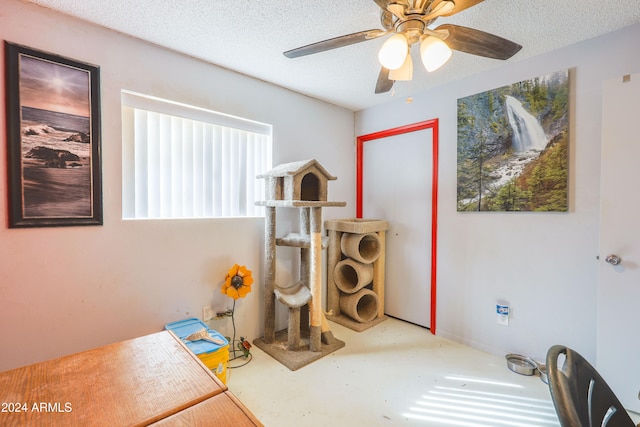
(303, 186)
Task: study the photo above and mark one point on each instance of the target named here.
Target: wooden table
(134, 382)
(221, 410)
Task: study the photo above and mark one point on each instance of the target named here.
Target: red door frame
(428, 124)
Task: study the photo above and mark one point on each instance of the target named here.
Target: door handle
(613, 259)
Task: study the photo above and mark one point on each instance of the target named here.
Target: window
(181, 161)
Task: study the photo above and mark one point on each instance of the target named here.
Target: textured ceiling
(249, 36)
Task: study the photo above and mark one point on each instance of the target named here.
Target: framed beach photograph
(513, 147)
(53, 139)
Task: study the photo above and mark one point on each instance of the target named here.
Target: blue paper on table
(186, 327)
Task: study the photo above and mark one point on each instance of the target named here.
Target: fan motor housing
(412, 28)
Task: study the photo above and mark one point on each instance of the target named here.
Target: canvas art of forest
(513, 147)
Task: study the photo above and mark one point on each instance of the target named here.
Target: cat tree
(301, 185)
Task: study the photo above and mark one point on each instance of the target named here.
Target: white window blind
(187, 162)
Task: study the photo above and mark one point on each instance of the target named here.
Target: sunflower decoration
(238, 282)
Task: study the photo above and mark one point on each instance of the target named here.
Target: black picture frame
(53, 139)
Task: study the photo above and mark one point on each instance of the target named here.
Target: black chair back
(580, 395)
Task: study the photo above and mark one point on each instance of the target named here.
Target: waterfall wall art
(513, 147)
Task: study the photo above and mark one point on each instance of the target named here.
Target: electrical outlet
(503, 312)
(207, 313)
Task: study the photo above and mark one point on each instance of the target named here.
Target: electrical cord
(241, 346)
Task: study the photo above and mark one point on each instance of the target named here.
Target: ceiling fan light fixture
(434, 53)
(394, 51)
(403, 73)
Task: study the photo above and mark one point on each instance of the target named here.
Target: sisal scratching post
(333, 257)
(326, 335)
(315, 279)
(378, 274)
(304, 267)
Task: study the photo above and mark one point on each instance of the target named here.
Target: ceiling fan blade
(460, 5)
(334, 43)
(478, 42)
(383, 84)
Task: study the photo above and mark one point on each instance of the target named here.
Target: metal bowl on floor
(522, 365)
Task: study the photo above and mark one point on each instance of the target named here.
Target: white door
(397, 182)
(618, 340)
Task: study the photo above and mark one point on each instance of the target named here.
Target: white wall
(543, 264)
(67, 289)
(64, 290)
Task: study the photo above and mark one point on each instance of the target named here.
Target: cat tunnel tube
(350, 276)
(364, 248)
(361, 306)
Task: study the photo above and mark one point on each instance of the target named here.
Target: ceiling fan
(408, 22)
